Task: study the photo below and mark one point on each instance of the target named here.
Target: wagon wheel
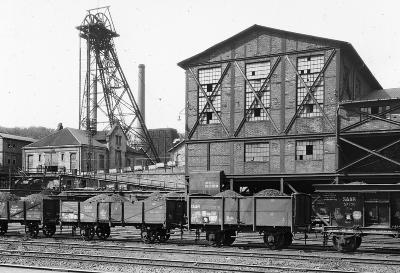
(49, 230)
(163, 235)
(344, 244)
(32, 230)
(148, 236)
(87, 233)
(103, 231)
(274, 240)
(3, 228)
(288, 239)
(229, 238)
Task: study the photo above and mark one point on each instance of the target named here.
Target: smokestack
(141, 91)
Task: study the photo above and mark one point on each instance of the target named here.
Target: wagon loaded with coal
(35, 212)
(155, 216)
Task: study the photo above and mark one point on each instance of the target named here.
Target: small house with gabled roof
(68, 150)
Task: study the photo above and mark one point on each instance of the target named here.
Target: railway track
(156, 262)
(208, 252)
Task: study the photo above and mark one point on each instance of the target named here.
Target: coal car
(275, 217)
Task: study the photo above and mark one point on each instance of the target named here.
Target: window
(208, 79)
(62, 157)
(13, 161)
(309, 150)
(309, 68)
(256, 73)
(375, 110)
(40, 158)
(257, 152)
(118, 140)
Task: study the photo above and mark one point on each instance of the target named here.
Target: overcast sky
(40, 47)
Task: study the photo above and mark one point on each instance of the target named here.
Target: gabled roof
(347, 47)
(66, 136)
(14, 137)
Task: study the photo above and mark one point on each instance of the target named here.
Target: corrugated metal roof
(391, 93)
(66, 136)
(21, 138)
(378, 95)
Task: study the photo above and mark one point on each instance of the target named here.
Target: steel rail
(228, 253)
(47, 268)
(157, 262)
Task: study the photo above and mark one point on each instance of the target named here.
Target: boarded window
(208, 79)
(309, 68)
(257, 73)
(257, 152)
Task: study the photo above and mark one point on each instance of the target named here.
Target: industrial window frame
(307, 150)
(309, 68)
(375, 110)
(256, 73)
(256, 152)
(208, 79)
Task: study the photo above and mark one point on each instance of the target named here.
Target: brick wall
(219, 151)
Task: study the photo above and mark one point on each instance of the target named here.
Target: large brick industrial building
(279, 109)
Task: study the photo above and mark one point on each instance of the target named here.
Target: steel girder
(375, 152)
(107, 99)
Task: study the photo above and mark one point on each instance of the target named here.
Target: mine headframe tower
(105, 96)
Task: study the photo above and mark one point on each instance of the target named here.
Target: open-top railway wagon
(155, 218)
(275, 217)
(34, 215)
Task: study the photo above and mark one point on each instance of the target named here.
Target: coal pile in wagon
(270, 192)
(158, 196)
(174, 194)
(105, 198)
(6, 196)
(35, 198)
(228, 193)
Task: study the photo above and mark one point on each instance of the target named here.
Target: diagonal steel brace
(359, 123)
(212, 96)
(256, 97)
(370, 151)
(368, 156)
(310, 92)
(259, 94)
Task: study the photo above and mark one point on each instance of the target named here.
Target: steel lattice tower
(105, 96)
